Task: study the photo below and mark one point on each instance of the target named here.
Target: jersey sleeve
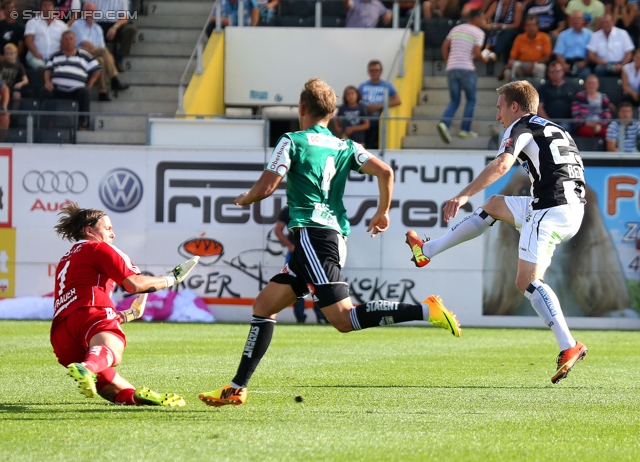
(360, 156)
(280, 160)
(515, 139)
(115, 263)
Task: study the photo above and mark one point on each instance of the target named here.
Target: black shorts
(315, 266)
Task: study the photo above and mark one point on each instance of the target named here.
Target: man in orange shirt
(530, 52)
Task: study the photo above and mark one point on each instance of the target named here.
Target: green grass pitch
(394, 393)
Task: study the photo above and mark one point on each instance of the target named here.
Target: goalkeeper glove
(180, 272)
(137, 309)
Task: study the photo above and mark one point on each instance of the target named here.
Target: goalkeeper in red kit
(85, 333)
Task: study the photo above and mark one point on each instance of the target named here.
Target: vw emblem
(121, 190)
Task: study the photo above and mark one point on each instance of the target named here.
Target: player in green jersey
(317, 165)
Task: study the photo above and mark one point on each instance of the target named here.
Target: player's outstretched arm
(496, 169)
(374, 166)
(138, 283)
(264, 187)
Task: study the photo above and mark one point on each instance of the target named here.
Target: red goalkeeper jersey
(87, 275)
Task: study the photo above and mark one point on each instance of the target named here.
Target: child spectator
(591, 110)
(350, 124)
(12, 73)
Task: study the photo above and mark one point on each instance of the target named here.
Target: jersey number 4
(327, 175)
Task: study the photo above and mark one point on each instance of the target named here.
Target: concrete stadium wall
(168, 203)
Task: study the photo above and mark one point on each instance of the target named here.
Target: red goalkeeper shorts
(70, 336)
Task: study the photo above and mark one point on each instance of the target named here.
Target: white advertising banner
(167, 204)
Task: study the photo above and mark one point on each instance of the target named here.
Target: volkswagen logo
(59, 182)
(121, 190)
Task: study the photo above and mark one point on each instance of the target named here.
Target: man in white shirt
(121, 32)
(610, 48)
(90, 37)
(42, 35)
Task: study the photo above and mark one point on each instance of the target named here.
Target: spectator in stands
(462, 46)
(120, 32)
(267, 10)
(551, 18)
(68, 10)
(12, 73)
(70, 73)
(609, 48)
(372, 92)
(502, 21)
(441, 9)
(571, 47)
(229, 12)
(556, 96)
(624, 14)
(624, 132)
(351, 123)
(591, 110)
(42, 35)
(592, 10)
(366, 13)
(530, 52)
(90, 37)
(10, 30)
(631, 80)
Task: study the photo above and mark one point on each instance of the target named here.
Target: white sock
(472, 226)
(546, 303)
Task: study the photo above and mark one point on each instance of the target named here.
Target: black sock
(383, 312)
(254, 349)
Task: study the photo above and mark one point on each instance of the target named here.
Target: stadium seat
(334, 8)
(13, 135)
(24, 104)
(302, 8)
(435, 31)
(333, 21)
(66, 123)
(50, 136)
(292, 21)
(612, 87)
(588, 143)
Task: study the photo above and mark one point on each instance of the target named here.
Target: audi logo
(55, 182)
(121, 190)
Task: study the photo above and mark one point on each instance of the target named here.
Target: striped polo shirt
(629, 136)
(69, 73)
(463, 40)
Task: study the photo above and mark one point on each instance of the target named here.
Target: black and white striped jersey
(551, 159)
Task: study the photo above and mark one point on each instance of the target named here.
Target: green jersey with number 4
(317, 165)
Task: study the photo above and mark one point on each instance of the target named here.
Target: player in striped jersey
(317, 165)
(551, 215)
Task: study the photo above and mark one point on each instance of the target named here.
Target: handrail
(397, 66)
(197, 52)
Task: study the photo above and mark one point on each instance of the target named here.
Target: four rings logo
(55, 182)
(120, 190)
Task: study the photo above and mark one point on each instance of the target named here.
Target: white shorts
(542, 230)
